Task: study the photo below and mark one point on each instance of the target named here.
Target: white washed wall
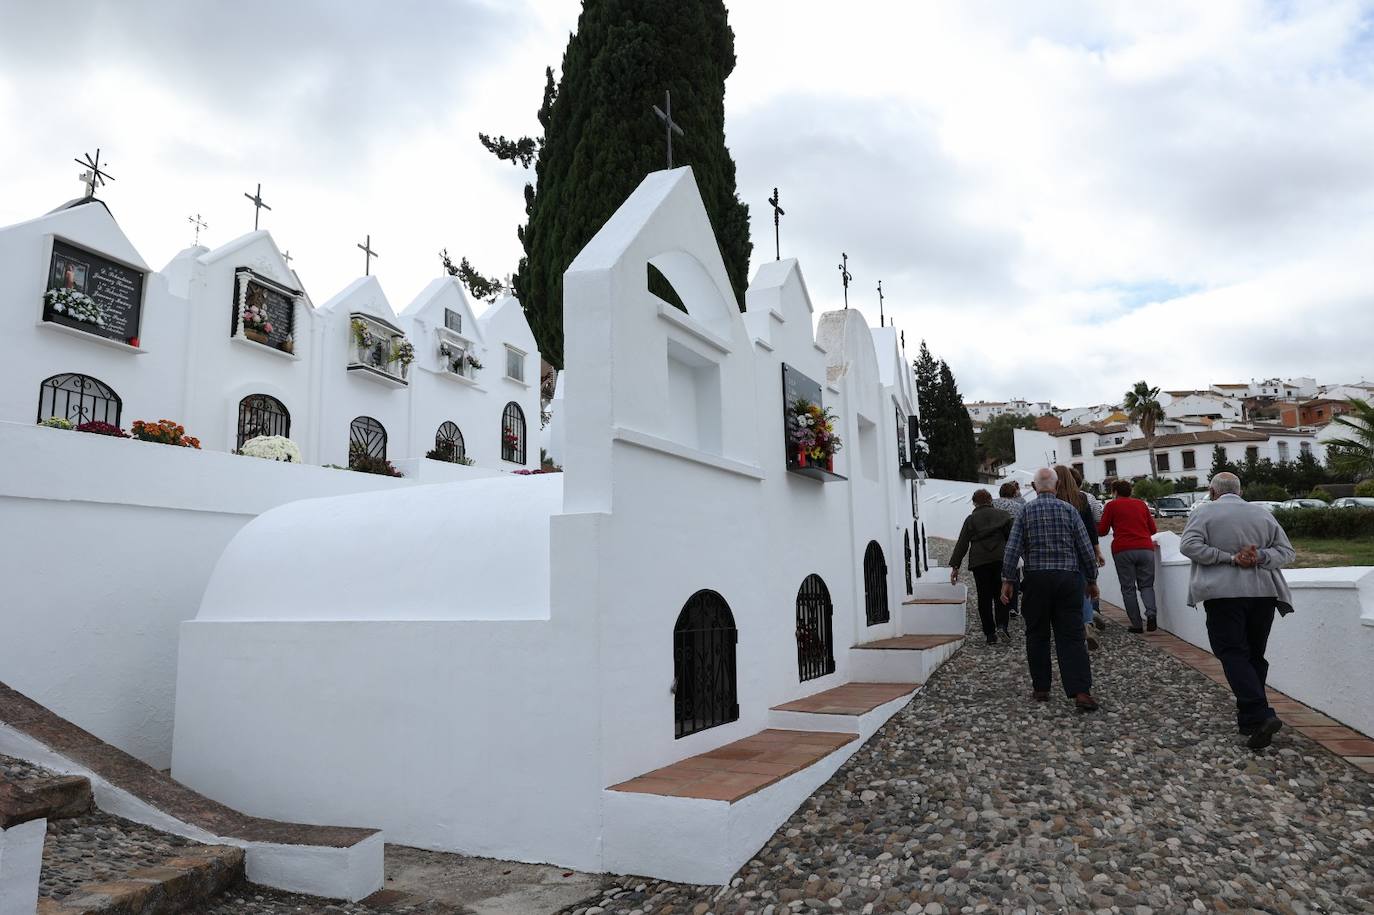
(107, 546)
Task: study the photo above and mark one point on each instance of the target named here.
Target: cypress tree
(944, 420)
(601, 138)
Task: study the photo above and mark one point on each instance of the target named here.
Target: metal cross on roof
(258, 205)
(199, 224)
(845, 276)
(665, 114)
(880, 303)
(777, 211)
(368, 255)
(286, 256)
(94, 176)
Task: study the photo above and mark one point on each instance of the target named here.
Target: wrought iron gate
(704, 664)
(260, 414)
(906, 552)
(368, 437)
(448, 443)
(78, 398)
(815, 641)
(875, 585)
(513, 433)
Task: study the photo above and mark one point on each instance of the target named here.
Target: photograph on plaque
(93, 294)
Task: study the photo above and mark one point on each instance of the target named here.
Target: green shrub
(1185, 484)
(1265, 492)
(1365, 489)
(1333, 523)
(1322, 494)
(1149, 490)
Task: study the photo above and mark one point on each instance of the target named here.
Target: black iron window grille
(513, 433)
(448, 444)
(261, 414)
(906, 552)
(815, 639)
(453, 320)
(78, 399)
(367, 437)
(704, 683)
(875, 585)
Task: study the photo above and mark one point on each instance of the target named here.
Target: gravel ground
(975, 799)
(246, 899)
(99, 847)
(20, 769)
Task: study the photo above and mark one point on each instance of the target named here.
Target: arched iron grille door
(906, 552)
(704, 664)
(367, 436)
(513, 433)
(448, 443)
(815, 641)
(260, 414)
(78, 398)
(875, 584)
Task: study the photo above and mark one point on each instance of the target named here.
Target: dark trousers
(1053, 602)
(1238, 628)
(991, 610)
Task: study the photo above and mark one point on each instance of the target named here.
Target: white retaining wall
(108, 544)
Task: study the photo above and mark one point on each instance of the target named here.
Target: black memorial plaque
(279, 303)
(117, 290)
(795, 387)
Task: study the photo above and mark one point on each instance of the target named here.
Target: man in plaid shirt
(1050, 537)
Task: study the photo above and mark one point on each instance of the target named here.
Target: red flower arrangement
(100, 428)
(164, 432)
(814, 435)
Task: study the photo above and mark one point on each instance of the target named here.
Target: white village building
(505, 666)
(97, 335)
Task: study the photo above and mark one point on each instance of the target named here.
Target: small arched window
(815, 639)
(260, 414)
(704, 683)
(906, 552)
(366, 438)
(448, 444)
(513, 433)
(79, 399)
(875, 585)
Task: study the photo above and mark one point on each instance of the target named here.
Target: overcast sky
(1060, 197)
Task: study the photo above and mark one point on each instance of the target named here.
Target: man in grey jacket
(1237, 551)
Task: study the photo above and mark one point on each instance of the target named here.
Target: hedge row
(1332, 523)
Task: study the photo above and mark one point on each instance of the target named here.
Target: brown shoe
(1041, 695)
(1084, 702)
(1093, 643)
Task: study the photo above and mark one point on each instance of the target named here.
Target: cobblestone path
(975, 799)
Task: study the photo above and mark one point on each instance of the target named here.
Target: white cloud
(1027, 179)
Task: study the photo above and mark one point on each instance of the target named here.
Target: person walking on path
(1133, 553)
(1010, 501)
(1238, 550)
(984, 539)
(1095, 505)
(1066, 488)
(1052, 541)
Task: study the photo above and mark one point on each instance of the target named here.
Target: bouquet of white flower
(75, 305)
(273, 448)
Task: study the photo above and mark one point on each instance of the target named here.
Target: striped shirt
(1049, 535)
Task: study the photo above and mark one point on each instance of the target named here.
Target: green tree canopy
(997, 440)
(944, 420)
(601, 138)
(1143, 407)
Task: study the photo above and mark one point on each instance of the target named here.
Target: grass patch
(1320, 553)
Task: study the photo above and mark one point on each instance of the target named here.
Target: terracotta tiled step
(1356, 748)
(912, 642)
(739, 769)
(850, 699)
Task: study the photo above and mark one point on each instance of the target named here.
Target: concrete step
(904, 659)
(699, 819)
(57, 798)
(935, 607)
(855, 708)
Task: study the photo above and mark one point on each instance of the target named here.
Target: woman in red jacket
(1133, 552)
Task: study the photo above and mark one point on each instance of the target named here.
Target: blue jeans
(1089, 605)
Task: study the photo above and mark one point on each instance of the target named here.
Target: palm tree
(1143, 408)
(1356, 451)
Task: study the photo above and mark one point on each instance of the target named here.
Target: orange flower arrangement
(164, 432)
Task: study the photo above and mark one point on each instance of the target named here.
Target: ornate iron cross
(258, 205)
(368, 255)
(199, 224)
(845, 276)
(93, 177)
(880, 303)
(777, 211)
(665, 114)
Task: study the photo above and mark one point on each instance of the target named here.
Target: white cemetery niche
(444, 386)
(512, 371)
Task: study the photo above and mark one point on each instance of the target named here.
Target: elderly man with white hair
(1238, 550)
(1050, 539)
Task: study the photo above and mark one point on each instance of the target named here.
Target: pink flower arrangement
(255, 318)
(814, 433)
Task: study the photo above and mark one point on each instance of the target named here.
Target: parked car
(1267, 506)
(1170, 507)
(1354, 502)
(1304, 503)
